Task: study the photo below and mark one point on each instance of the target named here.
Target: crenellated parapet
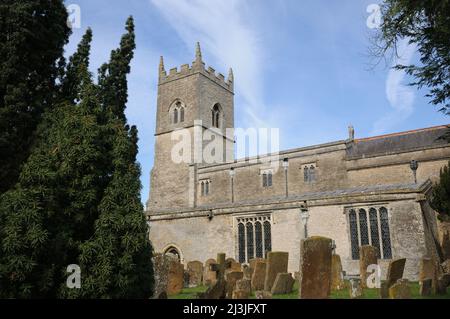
(197, 66)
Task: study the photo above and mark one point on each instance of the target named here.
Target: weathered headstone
(252, 262)
(231, 279)
(337, 278)
(426, 287)
(426, 269)
(394, 273)
(259, 275)
(248, 272)
(356, 291)
(315, 268)
(176, 277)
(277, 262)
(400, 290)
(442, 283)
(218, 289)
(368, 255)
(263, 295)
(240, 294)
(161, 271)
(446, 266)
(233, 265)
(209, 276)
(245, 285)
(283, 284)
(195, 271)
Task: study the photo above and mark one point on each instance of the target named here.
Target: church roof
(398, 142)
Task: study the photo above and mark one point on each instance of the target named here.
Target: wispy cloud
(226, 35)
(400, 96)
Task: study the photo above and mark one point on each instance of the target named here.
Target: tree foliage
(32, 36)
(77, 200)
(427, 25)
(440, 198)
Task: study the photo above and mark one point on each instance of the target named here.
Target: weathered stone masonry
(367, 176)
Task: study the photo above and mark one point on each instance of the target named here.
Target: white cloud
(223, 32)
(400, 96)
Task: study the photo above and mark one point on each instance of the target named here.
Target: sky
(302, 66)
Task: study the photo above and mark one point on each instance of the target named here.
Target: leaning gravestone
(195, 271)
(368, 255)
(394, 273)
(356, 291)
(259, 275)
(400, 290)
(176, 277)
(337, 278)
(283, 284)
(231, 278)
(315, 268)
(209, 276)
(277, 262)
(426, 287)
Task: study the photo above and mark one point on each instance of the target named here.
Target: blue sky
(300, 66)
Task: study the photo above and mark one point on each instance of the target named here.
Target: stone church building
(358, 191)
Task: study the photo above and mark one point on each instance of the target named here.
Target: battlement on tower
(198, 66)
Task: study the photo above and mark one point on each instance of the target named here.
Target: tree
(440, 197)
(32, 36)
(426, 24)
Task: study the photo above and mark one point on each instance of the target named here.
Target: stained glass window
(354, 234)
(267, 238)
(258, 240)
(241, 242)
(385, 233)
(250, 242)
(374, 233)
(363, 227)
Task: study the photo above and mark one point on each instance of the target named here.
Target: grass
(191, 293)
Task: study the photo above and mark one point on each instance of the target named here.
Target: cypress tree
(32, 36)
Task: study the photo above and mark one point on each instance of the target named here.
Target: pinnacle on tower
(230, 75)
(198, 53)
(161, 65)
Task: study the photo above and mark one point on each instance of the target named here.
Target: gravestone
(248, 272)
(218, 289)
(337, 278)
(176, 277)
(356, 291)
(446, 245)
(240, 294)
(446, 266)
(252, 262)
(277, 262)
(426, 269)
(195, 271)
(394, 273)
(315, 268)
(368, 255)
(161, 271)
(283, 284)
(263, 295)
(231, 279)
(233, 265)
(426, 287)
(400, 290)
(259, 275)
(209, 276)
(442, 283)
(242, 289)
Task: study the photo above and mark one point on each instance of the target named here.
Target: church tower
(191, 101)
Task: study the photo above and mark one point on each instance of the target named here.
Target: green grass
(191, 293)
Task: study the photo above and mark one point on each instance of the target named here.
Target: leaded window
(354, 234)
(258, 240)
(205, 187)
(385, 233)
(370, 226)
(363, 229)
(241, 242)
(267, 179)
(309, 173)
(250, 242)
(254, 237)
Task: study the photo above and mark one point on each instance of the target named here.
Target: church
(357, 191)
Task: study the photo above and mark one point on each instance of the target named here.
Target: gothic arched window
(177, 111)
(354, 234)
(312, 173)
(267, 238)
(254, 238)
(250, 242)
(175, 116)
(306, 174)
(216, 116)
(241, 242)
(374, 233)
(364, 231)
(258, 240)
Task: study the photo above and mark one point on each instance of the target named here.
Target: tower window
(215, 116)
(370, 228)
(177, 112)
(267, 179)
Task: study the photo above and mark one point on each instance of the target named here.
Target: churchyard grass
(190, 293)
